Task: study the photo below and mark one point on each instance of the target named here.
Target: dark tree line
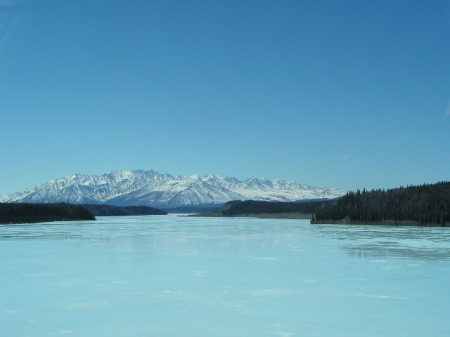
(424, 204)
(28, 213)
(108, 210)
(236, 208)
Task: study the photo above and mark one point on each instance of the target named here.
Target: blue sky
(349, 94)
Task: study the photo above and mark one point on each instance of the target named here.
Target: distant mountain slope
(426, 205)
(150, 188)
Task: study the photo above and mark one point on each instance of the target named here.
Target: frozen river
(161, 276)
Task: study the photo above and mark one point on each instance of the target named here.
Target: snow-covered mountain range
(150, 188)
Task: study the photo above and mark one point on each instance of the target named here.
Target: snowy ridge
(150, 188)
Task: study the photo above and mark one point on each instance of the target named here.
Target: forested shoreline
(108, 210)
(15, 213)
(424, 205)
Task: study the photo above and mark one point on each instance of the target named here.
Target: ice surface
(178, 276)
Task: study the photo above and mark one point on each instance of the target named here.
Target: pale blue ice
(161, 276)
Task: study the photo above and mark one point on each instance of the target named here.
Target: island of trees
(425, 205)
(270, 209)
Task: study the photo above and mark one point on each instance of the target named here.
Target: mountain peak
(151, 188)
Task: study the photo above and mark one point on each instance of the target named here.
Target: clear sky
(349, 94)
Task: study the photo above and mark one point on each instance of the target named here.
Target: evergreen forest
(108, 210)
(252, 207)
(15, 213)
(426, 205)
